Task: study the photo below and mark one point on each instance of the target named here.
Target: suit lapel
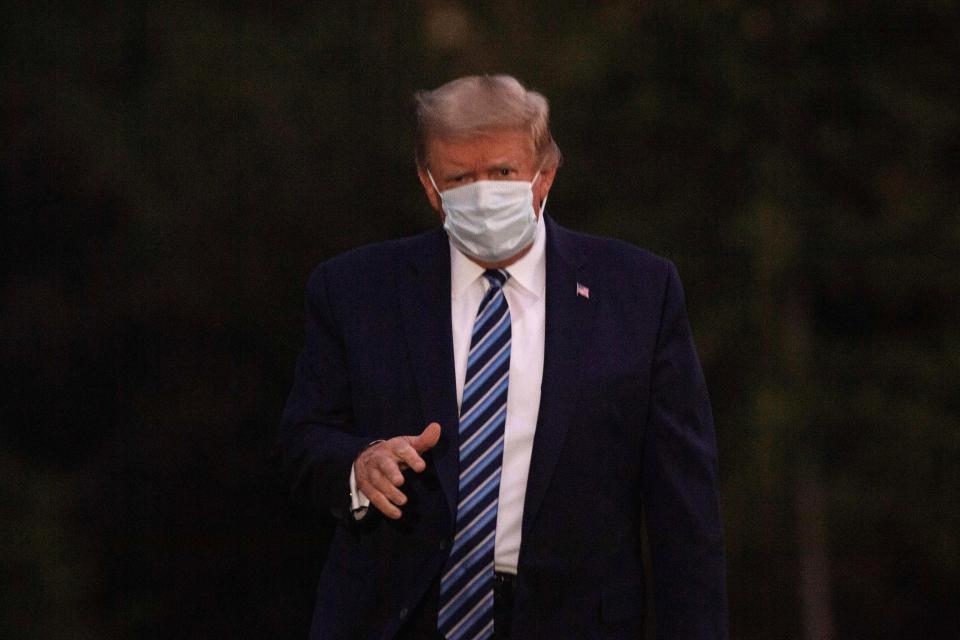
(424, 299)
(567, 324)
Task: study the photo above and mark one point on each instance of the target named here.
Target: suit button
(403, 613)
(443, 545)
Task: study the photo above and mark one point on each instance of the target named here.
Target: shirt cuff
(358, 502)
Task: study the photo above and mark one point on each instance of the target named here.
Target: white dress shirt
(525, 292)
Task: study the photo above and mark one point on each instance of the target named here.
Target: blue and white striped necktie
(466, 587)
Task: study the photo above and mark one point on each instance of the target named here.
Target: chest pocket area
(621, 399)
(612, 414)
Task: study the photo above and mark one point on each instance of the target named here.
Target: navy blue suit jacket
(624, 439)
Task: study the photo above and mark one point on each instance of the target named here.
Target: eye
(504, 172)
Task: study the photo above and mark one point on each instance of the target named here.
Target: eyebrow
(456, 173)
(457, 169)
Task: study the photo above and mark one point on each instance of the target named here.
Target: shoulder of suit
(386, 250)
(372, 261)
(609, 252)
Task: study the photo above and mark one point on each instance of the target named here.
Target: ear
(428, 189)
(542, 187)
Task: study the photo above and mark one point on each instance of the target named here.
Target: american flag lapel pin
(583, 291)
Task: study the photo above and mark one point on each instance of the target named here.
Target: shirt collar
(529, 272)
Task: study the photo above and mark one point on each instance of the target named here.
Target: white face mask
(490, 220)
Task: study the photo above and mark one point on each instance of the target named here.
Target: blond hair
(480, 105)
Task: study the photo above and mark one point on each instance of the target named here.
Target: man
(497, 410)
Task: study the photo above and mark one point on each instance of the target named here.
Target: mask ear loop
(429, 175)
(544, 203)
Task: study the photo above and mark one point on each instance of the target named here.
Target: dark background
(169, 174)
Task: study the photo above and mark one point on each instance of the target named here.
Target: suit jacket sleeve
(680, 485)
(318, 443)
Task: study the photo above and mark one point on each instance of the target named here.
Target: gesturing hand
(379, 468)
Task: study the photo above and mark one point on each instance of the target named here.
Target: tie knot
(496, 277)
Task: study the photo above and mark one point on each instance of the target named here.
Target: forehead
(515, 147)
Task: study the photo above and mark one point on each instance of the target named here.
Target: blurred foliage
(170, 173)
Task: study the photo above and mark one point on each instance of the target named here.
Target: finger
(385, 507)
(388, 467)
(383, 460)
(382, 485)
(376, 484)
(410, 457)
(427, 439)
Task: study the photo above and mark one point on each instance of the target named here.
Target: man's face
(507, 155)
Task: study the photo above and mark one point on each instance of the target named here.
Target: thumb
(428, 439)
